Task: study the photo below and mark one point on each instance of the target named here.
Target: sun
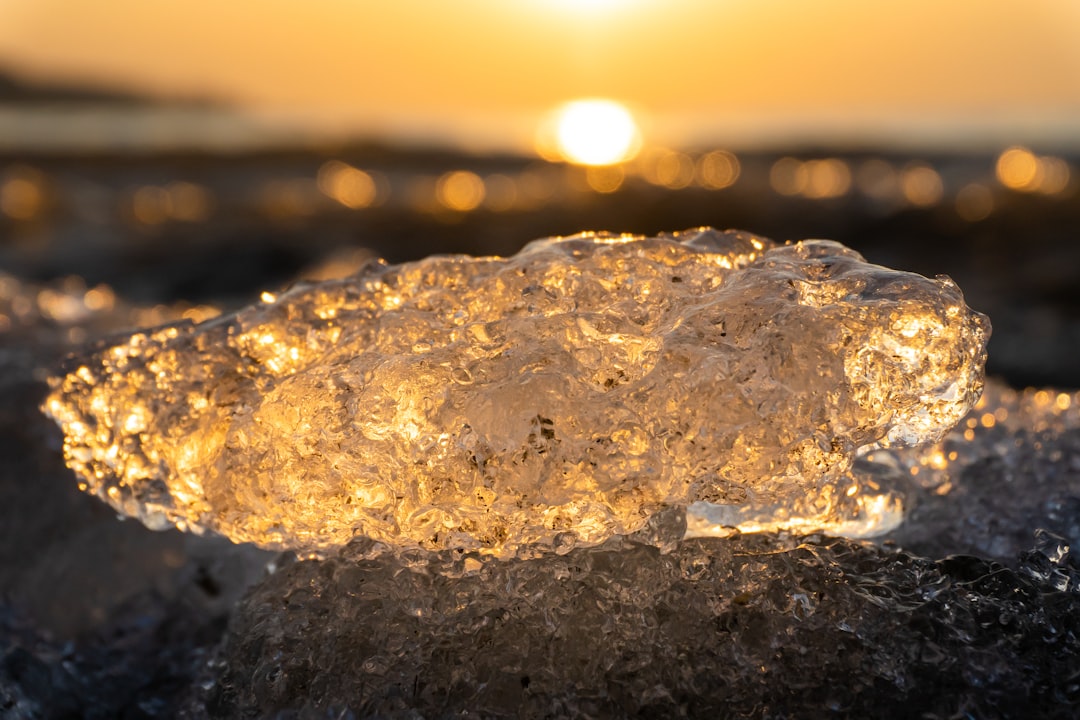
(596, 132)
(586, 7)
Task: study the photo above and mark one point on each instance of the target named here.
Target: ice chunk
(562, 395)
(742, 627)
(1013, 464)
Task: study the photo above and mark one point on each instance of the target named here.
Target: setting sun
(585, 5)
(481, 73)
(596, 132)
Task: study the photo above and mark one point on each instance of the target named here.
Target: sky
(485, 71)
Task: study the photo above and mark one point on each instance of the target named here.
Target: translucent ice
(562, 395)
(1012, 465)
(744, 627)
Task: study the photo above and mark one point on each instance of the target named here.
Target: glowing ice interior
(560, 396)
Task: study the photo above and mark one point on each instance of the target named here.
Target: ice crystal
(743, 627)
(1012, 465)
(559, 396)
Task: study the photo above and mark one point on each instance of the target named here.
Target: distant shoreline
(62, 126)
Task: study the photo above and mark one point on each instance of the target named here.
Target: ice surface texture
(562, 395)
(759, 626)
(743, 627)
(1012, 465)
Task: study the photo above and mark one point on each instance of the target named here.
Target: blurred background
(162, 159)
(198, 152)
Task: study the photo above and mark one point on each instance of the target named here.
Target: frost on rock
(560, 396)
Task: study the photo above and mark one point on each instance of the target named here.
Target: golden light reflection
(605, 178)
(188, 202)
(84, 311)
(1022, 170)
(871, 516)
(339, 264)
(815, 179)
(200, 313)
(921, 185)
(352, 187)
(100, 298)
(788, 176)
(150, 205)
(878, 179)
(1018, 169)
(718, 169)
(427, 367)
(592, 132)
(1000, 411)
(670, 169)
(180, 201)
(1055, 173)
(460, 190)
(974, 202)
(22, 193)
(828, 178)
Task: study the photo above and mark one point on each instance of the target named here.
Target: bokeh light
(188, 202)
(815, 179)
(828, 178)
(22, 193)
(974, 202)
(921, 185)
(460, 190)
(1022, 170)
(788, 176)
(1055, 175)
(878, 179)
(1018, 169)
(670, 169)
(150, 205)
(350, 186)
(605, 178)
(718, 169)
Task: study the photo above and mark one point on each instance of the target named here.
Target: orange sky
(485, 69)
